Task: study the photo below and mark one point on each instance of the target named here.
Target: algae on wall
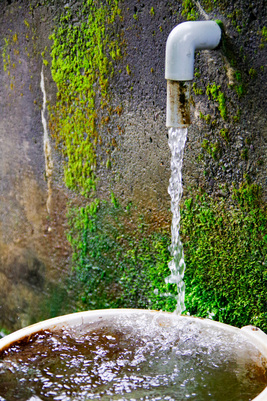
(83, 52)
(108, 125)
(119, 261)
(113, 261)
(225, 246)
(107, 266)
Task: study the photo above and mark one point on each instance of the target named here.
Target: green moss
(239, 86)
(152, 11)
(197, 91)
(225, 247)
(239, 90)
(118, 261)
(83, 58)
(15, 38)
(237, 19)
(5, 55)
(222, 105)
(108, 164)
(213, 149)
(236, 118)
(209, 5)
(213, 91)
(43, 54)
(128, 69)
(3, 332)
(26, 23)
(220, 23)
(189, 10)
(224, 132)
(253, 73)
(207, 117)
(244, 154)
(58, 300)
(10, 56)
(263, 34)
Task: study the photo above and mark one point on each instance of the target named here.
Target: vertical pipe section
(178, 104)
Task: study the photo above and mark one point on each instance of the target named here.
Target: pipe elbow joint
(182, 43)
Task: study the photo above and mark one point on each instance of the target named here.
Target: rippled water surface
(152, 359)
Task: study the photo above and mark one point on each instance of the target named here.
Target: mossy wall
(104, 68)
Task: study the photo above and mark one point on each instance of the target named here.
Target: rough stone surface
(33, 248)
(34, 253)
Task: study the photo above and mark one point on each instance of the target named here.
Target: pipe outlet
(178, 104)
(182, 43)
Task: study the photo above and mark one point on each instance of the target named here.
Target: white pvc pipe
(182, 43)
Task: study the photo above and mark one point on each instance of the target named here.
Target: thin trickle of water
(177, 139)
(47, 146)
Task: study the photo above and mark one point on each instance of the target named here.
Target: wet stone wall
(103, 65)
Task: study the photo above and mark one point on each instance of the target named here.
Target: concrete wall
(221, 149)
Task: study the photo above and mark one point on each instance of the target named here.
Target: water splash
(133, 356)
(177, 139)
(47, 147)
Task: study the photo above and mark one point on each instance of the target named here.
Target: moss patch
(225, 252)
(213, 91)
(11, 56)
(85, 47)
(118, 261)
(189, 10)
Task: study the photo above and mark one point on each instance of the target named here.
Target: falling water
(177, 139)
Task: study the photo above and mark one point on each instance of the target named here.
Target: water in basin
(134, 358)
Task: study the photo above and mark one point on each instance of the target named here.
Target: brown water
(113, 360)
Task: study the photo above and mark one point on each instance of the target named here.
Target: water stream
(177, 139)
